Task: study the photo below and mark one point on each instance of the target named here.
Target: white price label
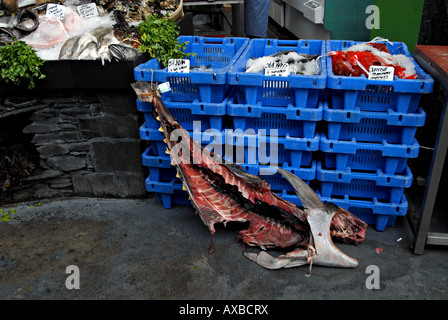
(276, 69)
(55, 10)
(179, 65)
(87, 10)
(164, 87)
(381, 73)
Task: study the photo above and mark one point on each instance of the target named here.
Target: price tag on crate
(381, 73)
(179, 65)
(55, 10)
(276, 69)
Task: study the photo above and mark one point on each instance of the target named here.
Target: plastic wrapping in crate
(272, 150)
(209, 115)
(297, 122)
(401, 95)
(367, 126)
(384, 187)
(389, 158)
(208, 80)
(168, 193)
(378, 213)
(299, 90)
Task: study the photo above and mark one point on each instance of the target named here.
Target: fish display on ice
(357, 59)
(17, 26)
(50, 32)
(303, 64)
(222, 192)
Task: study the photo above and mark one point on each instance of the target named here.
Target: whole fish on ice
(223, 192)
(303, 64)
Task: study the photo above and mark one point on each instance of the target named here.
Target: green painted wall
(399, 21)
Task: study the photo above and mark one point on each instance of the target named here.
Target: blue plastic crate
(159, 167)
(384, 187)
(276, 180)
(368, 126)
(374, 212)
(259, 149)
(293, 121)
(389, 158)
(168, 193)
(209, 115)
(299, 90)
(208, 81)
(401, 95)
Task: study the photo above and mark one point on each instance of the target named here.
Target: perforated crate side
(364, 126)
(259, 149)
(206, 115)
(337, 183)
(388, 158)
(292, 121)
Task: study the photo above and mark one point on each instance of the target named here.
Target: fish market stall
(89, 36)
(80, 108)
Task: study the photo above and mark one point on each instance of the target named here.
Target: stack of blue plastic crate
(195, 96)
(359, 158)
(369, 137)
(274, 117)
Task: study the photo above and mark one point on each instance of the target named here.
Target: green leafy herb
(158, 38)
(7, 215)
(18, 62)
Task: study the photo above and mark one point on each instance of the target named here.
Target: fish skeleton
(222, 192)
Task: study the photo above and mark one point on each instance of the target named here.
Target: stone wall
(88, 145)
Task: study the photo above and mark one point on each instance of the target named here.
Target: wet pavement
(136, 249)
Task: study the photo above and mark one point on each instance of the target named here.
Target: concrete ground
(136, 249)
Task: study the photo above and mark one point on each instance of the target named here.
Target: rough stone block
(79, 146)
(52, 150)
(47, 174)
(108, 126)
(55, 137)
(101, 184)
(116, 155)
(67, 163)
(40, 127)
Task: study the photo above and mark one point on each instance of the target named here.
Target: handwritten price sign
(179, 65)
(276, 69)
(55, 10)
